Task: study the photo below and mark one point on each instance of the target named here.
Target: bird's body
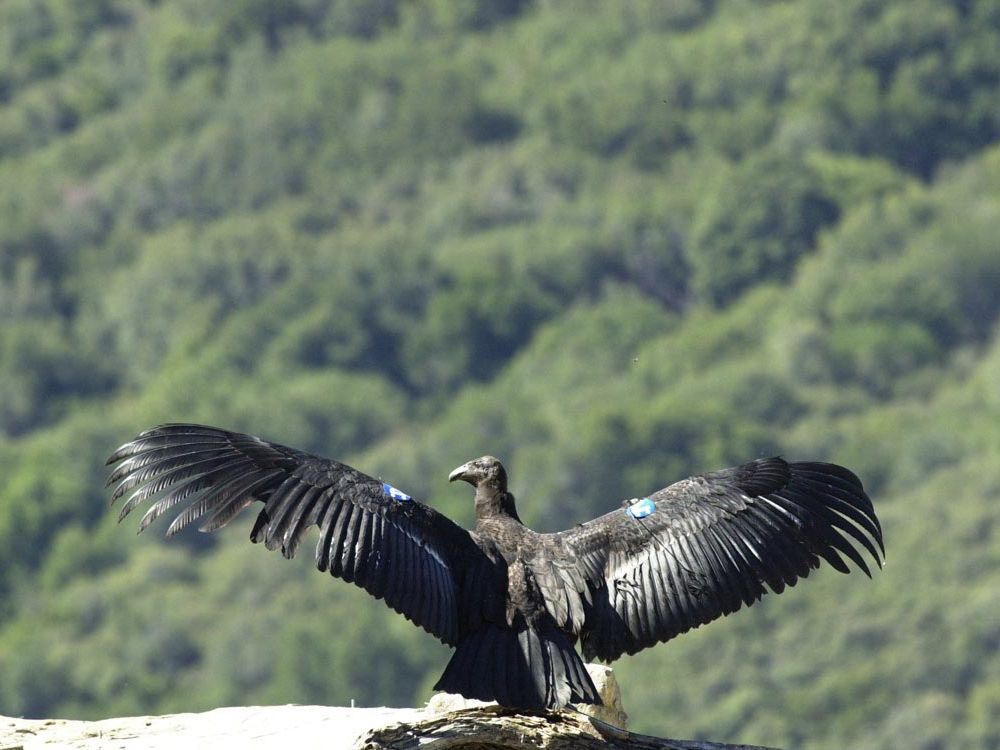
(514, 602)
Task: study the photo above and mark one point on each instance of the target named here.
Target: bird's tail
(520, 667)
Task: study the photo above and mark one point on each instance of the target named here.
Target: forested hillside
(612, 243)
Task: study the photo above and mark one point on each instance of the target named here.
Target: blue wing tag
(640, 508)
(395, 494)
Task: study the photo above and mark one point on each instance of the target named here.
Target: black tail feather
(519, 667)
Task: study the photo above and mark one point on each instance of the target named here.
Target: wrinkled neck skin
(493, 501)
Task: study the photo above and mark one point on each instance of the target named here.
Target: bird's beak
(459, 473)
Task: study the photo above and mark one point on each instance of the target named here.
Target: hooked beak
(462, 472)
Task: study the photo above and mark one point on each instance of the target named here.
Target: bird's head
(481, 470)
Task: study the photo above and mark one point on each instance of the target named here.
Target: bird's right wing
(370, 534)
(705, 546)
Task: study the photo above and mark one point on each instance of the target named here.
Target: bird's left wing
(707, 545)
(370, 533)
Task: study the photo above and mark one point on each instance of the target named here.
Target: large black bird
(513, 602)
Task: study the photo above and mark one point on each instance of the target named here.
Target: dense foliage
(612, 244)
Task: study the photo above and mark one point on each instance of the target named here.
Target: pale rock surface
(449, 722)
(250, 728)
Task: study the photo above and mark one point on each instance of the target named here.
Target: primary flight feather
(513, 602)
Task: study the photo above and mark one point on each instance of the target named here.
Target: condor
(512, 602)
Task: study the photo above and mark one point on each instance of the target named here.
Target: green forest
(612, 243)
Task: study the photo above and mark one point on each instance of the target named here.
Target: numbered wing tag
(395, 494)
(639, 508)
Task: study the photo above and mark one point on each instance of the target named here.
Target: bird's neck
(493, 501)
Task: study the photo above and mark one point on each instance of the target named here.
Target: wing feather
(204, 503)
(236, 497)
(291, 527)
(340, 526)
(715, 543)
(327, 525)
(722, 578)
(149, 462)
(347, 548)
(839, 504)
(678, 591)
(286, 499)
(402, 551)
(183, 491)
(394, 545)
(740, 565)
(164, 436)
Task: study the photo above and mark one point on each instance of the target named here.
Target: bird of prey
(513, 602)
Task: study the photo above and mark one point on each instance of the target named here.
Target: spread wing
(705, 546)
(370, 534)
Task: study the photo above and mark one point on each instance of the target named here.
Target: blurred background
(613, 243)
